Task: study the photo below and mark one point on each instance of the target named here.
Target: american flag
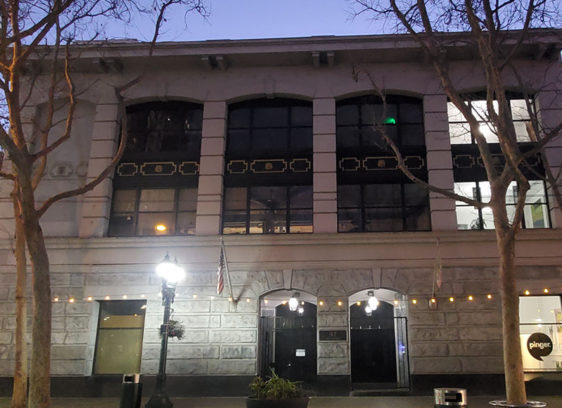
(220, 273)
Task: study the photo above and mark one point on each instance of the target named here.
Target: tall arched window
(268, 178)
(373, 194)
(155, 184)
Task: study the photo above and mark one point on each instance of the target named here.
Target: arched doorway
(288, 335)
(378, 339)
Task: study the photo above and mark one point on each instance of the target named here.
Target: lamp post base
(159, 401)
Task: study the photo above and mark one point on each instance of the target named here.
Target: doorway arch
(378, 339)
(287, 337)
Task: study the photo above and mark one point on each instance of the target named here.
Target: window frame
(138, 190)
(363, 207)
(96, 353)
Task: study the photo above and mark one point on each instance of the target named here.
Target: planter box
(286, 403)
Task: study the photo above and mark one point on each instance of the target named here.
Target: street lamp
(171, 273)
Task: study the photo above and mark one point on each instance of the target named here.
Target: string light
(248, 300)
(545, 290)
(107, 297)
(340, 303)
(470, 298)
(321, 303)
(56, 299)
(527, 293)
(396, 302)
(124, 296)
(89, 298)
(415, 301)
(359, 303)
(451, 299)
(266, 301)
(194, 296)
(143, 295)
(489, 296)
(433, 300)
(71, 300)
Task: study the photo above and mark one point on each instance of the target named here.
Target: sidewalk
(315, 402)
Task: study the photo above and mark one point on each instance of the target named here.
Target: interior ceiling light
(373, 302)
(368, 310)
(300, 310)
(294, 302)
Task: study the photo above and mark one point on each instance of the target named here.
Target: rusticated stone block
(429, 349)
(5, 338)
(488, 348)
(77, 323)
(7, 308)
(238, 352)
(192, 306)
(332, 350)
(332, 319)
(333, 366)
(482, 365)
(474, 318)
(6, 352)
(67, 367)
(69, 352)
(176, 351)
(431, 318)
(436, 365)
(480, 333)
(232, 367)
(239, 321)
(418, 334)
(233, 336)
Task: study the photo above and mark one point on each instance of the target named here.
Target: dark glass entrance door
(295, 343)
(373, 345)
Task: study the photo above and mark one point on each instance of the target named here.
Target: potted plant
(276, 392)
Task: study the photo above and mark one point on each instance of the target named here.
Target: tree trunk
(512, 359)
(39, 378)
(19, 393)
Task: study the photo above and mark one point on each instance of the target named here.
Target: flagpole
(223, 249)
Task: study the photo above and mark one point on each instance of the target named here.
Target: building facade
(269, 148)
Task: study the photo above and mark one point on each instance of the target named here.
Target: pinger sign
(539, 345)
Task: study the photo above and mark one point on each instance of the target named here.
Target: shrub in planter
(276, 392)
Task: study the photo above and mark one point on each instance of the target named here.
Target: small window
(383, 207)
(535, 212)
(460, 132)
(267, 210)
(119, 340)
(153, 211)
(540, 329)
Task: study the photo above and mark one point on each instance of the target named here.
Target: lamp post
(171, 273)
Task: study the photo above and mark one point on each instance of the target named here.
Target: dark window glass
(402, 119)
(269, 198)
(119, 337)
(271, 210)
(383, 207)
(153, 211)
(164, 127)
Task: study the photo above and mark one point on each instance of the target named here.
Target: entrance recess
(288, 337)
(378, 340)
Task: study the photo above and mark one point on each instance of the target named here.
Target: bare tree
(488, 28)
(38, 35)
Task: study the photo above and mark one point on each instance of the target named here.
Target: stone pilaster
(97, 202)
(211, 169)
(325, 181)
(333, 356)
(439, 161)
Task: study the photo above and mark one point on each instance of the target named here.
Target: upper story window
(373, 194)
(535, 213)
(470, 174)
(155, 184)
(459, 130)
(268, 179)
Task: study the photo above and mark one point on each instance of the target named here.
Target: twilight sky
(244, 19)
